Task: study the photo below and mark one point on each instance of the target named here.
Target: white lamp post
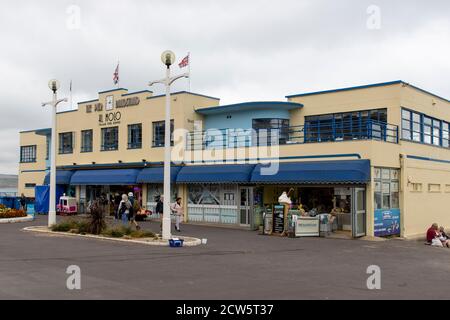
(54, 86)
(167, 58)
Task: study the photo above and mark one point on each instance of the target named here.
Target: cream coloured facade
(365, 123)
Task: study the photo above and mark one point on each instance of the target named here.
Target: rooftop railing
(308, 133)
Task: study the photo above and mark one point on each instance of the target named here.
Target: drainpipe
(402, 192)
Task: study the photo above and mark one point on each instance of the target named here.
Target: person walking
(133, 210)
(177, 210)
(23, 203)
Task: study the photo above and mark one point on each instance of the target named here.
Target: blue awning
(216, 173)
(105, 177)
(62, 177)
(156, 175)
(318, 172)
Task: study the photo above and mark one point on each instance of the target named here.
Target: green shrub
(142, 234)
(127, 232)
(81, 226)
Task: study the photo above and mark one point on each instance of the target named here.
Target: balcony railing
(308, 133)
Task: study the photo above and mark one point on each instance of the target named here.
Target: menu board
(278, 219)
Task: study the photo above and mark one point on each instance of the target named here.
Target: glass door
(244, 206)
(359, 213)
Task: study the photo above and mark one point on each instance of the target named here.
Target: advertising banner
(387, 222)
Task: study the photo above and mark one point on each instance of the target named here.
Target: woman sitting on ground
(444, 238)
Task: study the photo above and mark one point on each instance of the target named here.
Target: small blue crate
(176, 243)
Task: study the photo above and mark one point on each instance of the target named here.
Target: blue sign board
(387, 222)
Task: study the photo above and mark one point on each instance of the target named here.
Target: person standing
(23, 203)
(177, 210)
(133, 210)
(124, 209)
(160, 209)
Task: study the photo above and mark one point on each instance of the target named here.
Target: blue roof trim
(368, 86)
(259, 105)
(425, 91)
(347, 89)
(112, 90)
(67, 111)
(184, 92)
(35, 130)
(62, 177)
(89, 101)
(105, 177)
(427, 159)
(156, 175)
(238, 173)
(137, 92)
(317, 172)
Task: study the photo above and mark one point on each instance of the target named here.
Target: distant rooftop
(247, 106)
(382, 84)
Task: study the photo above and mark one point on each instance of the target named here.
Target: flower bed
(83, 227)
(8, 213)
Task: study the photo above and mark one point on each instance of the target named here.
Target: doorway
(245, 203)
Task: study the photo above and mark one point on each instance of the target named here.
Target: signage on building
(129, 102)
(98, 107)
(109, 119)
(387, 222)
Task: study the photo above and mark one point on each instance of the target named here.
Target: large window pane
(159, 133)
(65, 143)
(110, 139)
(28, 154)
(135, 136)
(86, 141)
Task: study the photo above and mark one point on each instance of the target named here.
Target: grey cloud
(241, 50)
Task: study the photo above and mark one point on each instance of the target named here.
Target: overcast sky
(240, 50)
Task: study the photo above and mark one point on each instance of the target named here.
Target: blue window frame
(159, 133)
(28, 154)
(421, 128)
(135, 136)
(346, 126)
(86, 140)
(110, 139)
(66, 143)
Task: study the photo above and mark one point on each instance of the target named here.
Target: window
(447, 188)
(159, 133)
(421, 128)
(28, 154)
(135, 136)
(30, 185)
(110, 139)
(347, 126)
(86, 140)
(65, 143)
(446, 134)
(268, 131)
(387, 189)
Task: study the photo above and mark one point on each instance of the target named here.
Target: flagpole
(189, 79)
(71, 104)
(118, 74)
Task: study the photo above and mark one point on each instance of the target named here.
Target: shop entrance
(246, 193)
(359, 213)
(345, 206)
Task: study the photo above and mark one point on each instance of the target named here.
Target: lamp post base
(166, 229)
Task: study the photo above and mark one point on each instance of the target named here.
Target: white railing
(213, 214)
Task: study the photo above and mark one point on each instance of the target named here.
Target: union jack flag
(116, 75)
(184, 62)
